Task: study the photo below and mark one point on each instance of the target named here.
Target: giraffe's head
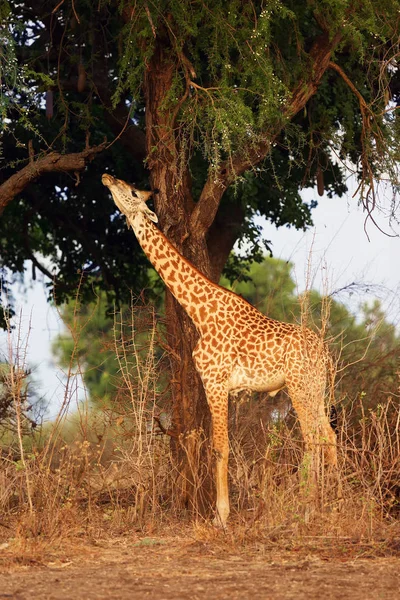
(129, 200)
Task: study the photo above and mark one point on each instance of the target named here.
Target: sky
(332, 254)
(339, 251)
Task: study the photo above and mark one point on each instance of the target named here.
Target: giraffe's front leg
(215, 380)
(217, 398)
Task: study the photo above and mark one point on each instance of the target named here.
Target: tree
(94, 338)
(373, 372)
(233, 106)
(89, 341)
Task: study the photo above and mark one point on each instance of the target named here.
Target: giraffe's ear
(150, 215)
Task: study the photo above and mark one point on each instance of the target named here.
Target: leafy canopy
(75, 72)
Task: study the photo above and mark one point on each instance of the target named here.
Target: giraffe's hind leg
(307, 395)
(318, 472)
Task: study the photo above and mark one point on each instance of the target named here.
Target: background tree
(20, 405)
(92, 335)
(233, 107)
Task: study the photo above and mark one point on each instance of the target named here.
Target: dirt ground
(169, 568)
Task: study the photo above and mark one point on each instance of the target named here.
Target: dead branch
(368, 131)
(163, 430)
(45, 164)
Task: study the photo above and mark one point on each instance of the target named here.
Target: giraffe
(239, 347)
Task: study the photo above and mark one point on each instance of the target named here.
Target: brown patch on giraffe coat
(202, 312)
(242, 342)
(185, 268)
(212, 306)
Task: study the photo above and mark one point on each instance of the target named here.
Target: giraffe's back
(249, 350)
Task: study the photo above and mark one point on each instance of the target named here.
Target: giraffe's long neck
(193, 291)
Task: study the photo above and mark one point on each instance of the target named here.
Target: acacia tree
(226, 108)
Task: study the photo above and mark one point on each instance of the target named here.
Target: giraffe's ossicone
(239, 347)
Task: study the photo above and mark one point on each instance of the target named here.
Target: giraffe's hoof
(219, 523)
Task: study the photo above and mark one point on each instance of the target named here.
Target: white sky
(335, 251)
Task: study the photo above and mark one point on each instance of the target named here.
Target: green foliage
(240, 61)
(95, 337)
(16, 77)
(234, 67)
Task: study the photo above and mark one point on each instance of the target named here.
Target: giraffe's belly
(245, 378)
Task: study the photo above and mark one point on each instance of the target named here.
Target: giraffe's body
(239, 348)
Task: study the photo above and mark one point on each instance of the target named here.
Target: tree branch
(31, 256)
(370, 129)
(222, 236)
(131, 136)
(46, 164)
(346, 79)
(205, 210)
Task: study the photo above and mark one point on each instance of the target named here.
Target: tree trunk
(191, 416)
(174, 205)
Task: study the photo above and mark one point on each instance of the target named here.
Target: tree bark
(174, 204)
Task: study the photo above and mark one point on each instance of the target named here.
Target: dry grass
(103, 473)
(266, 479)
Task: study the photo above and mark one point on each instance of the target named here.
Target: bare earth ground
(181, 567)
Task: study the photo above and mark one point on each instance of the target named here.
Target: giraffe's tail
(333, 418)
(331, 372)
